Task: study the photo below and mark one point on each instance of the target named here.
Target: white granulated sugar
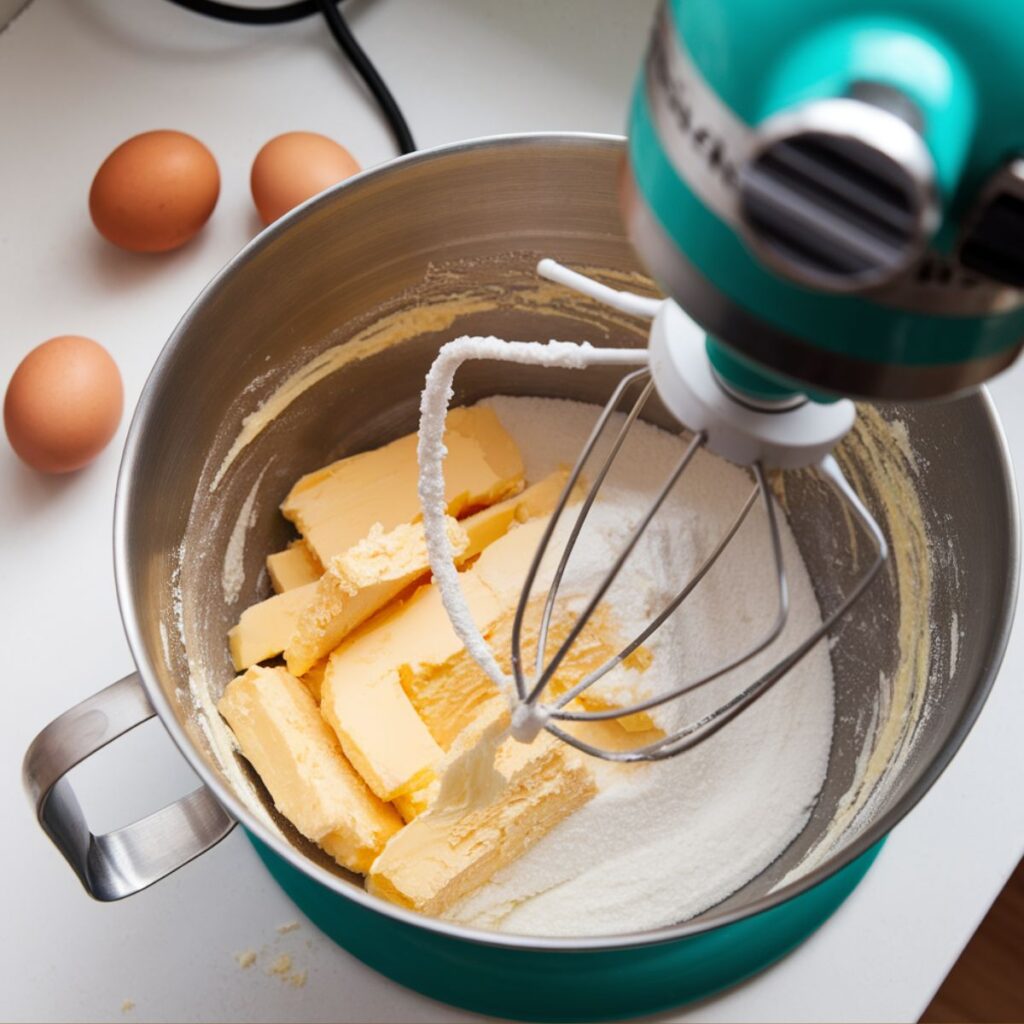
(663, 842)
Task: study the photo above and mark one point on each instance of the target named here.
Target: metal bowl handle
(129, 859)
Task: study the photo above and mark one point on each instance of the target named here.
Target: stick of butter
(297, 565)
(484, 818)
(335, 507)
(494, 714)
(294, 567)
(411, 805)
(281, 733)
(539, 499)
(313, 680)
(599, 642)
(449, 695)
(362, 697)
(358, 583)
(380, 732)
(264, 629)
(443, 682)
(502, 567)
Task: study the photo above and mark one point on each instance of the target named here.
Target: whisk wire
(782, 613)
(662, 616)
(609, 578)
(531, 575)
(588, 501)
(702, 729)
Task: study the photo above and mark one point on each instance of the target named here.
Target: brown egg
(295, 166)
(63, 404)
(154, 192)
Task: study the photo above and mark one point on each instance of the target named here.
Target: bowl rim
(130, 473)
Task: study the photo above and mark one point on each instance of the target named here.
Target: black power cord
(284, 13)
(369, 74)
(280, 15)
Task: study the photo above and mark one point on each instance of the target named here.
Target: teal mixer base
(556, 986)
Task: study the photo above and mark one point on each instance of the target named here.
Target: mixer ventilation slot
(829, 207)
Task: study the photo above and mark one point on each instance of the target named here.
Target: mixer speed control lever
(993, 242)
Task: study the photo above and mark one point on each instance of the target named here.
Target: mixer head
(837, 196)
(772, 433)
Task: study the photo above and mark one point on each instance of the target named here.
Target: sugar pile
(663, 842)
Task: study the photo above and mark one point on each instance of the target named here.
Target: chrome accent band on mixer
(844, 211)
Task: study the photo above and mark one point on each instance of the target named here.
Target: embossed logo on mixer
(706, 140)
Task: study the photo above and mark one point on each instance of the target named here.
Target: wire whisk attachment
(535, 712)
(784, 435)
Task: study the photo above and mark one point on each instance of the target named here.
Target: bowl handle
(129, 859)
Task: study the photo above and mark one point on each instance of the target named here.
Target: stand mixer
(464, 206)
(837, 199)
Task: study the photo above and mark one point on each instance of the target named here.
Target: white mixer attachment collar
(786, 435)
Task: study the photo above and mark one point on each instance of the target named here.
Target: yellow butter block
(486, 526)
(362, 697)
(416, 633)
(482, 425)
(294, 567)
(444, 683)
(335, 507)
(359, 583)
(418, 641)
(379, 730)
(598, 643)
(539, 499)
(502, 566)
(449, 851)
(264, 629)
(449, 697)
(281, 733)
(495, 713)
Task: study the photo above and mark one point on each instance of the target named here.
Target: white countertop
(76, 78)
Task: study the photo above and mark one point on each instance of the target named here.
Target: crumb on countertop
(246, 958)
(281, 966)
(127, 1006)
(284, 929)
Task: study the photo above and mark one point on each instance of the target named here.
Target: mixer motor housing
(837, 197)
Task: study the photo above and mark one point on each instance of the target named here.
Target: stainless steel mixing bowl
(433, 246)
